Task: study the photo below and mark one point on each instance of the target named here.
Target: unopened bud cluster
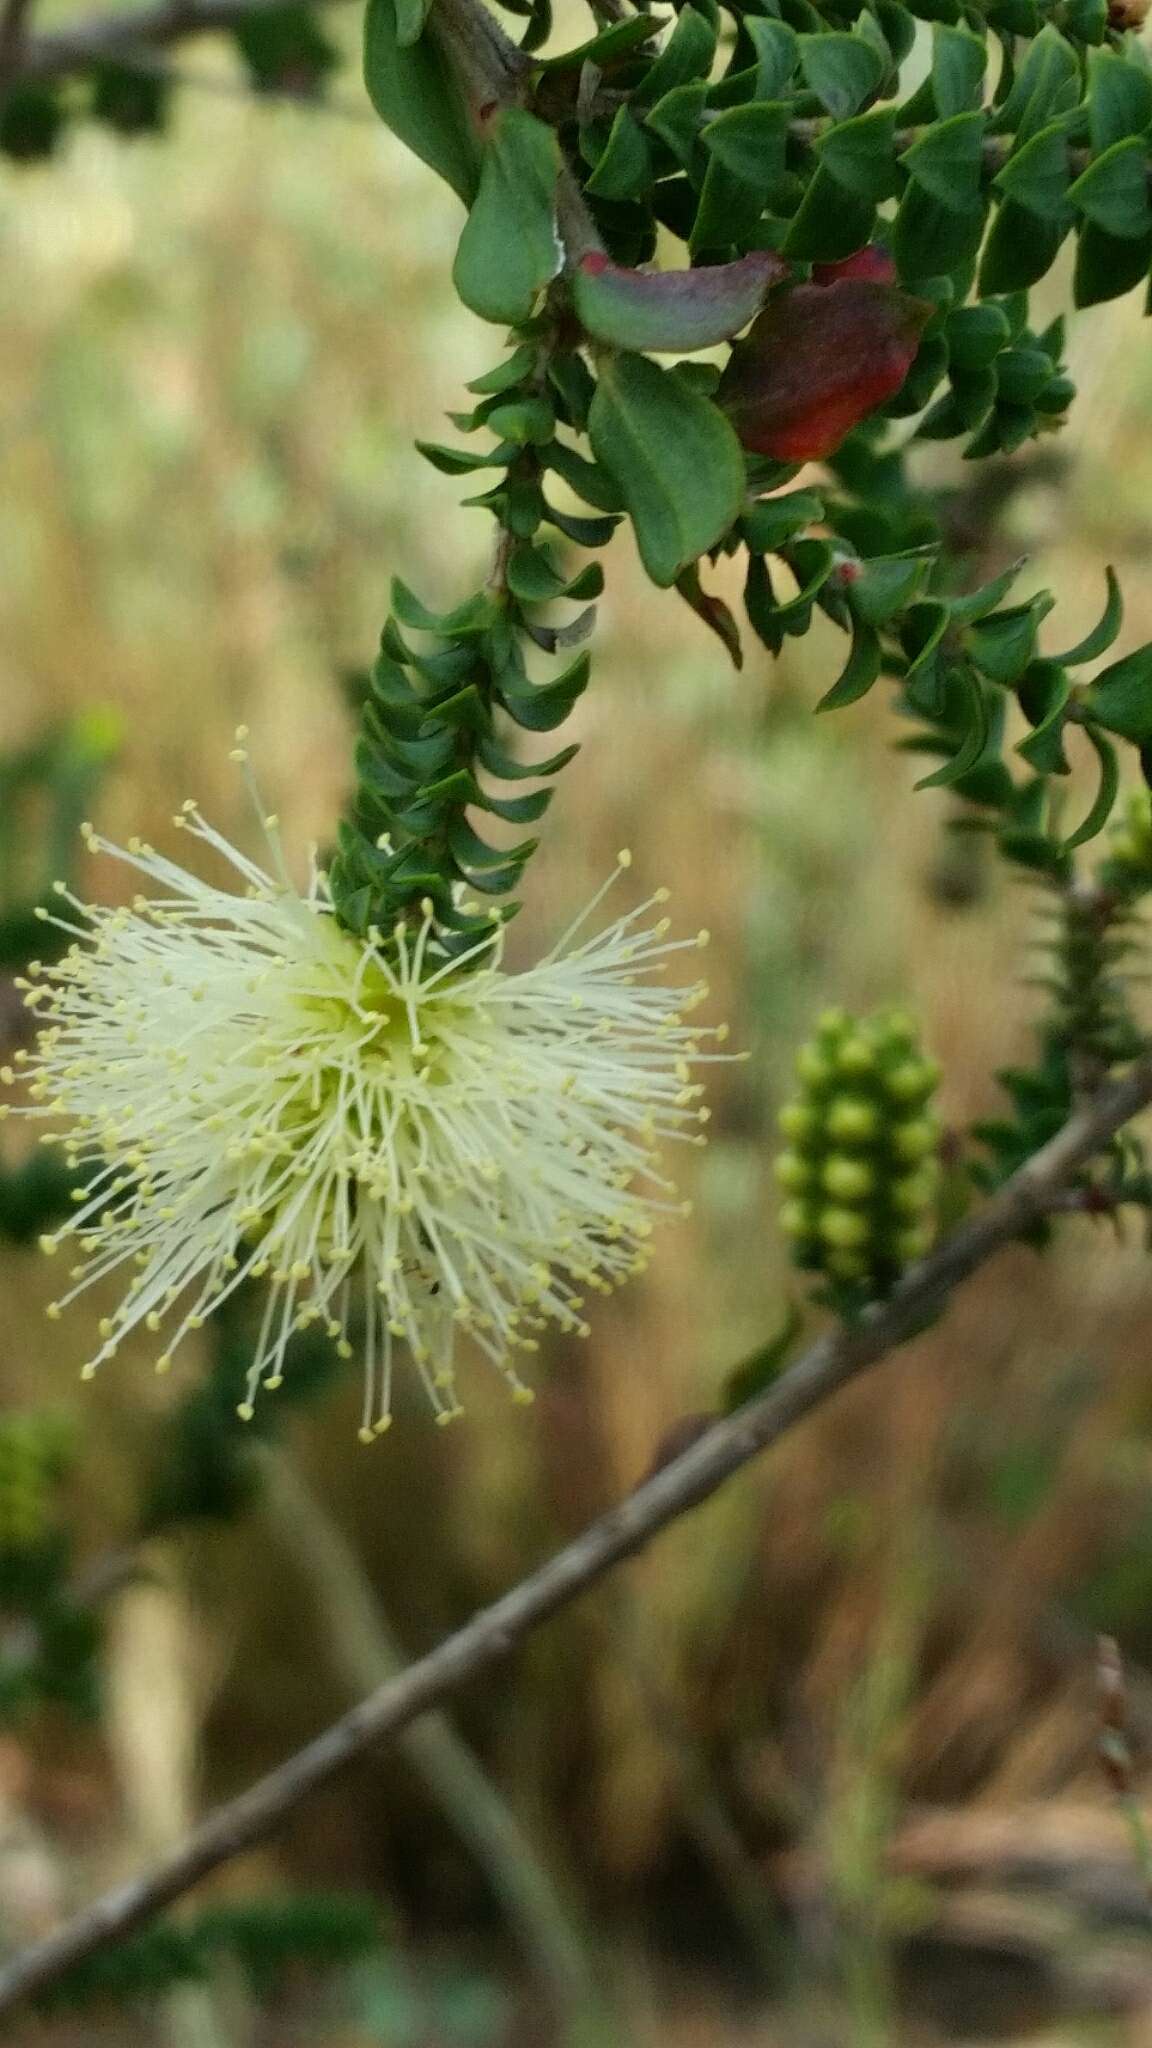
(34, 1454)
(860, 1174)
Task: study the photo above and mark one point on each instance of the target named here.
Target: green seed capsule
(850, 1180)
(852, 1120)
(845, 1229)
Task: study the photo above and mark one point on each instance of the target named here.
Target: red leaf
(818, 360)
(873, 263)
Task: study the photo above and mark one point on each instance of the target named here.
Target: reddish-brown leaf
(873, 262)
(818, 360)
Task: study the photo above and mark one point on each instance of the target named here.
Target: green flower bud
(912, 1195)
(912, 1081)
(796, 1220)
(856, 1056)
(899, 1030)
(812, 1067)
(845, 1229)
(853, 1121)
(863, 1137)
(832, 1024)
(850, 1180)
(797, 1121)
(792, 1172)
(846, 1265)
(915, 1140)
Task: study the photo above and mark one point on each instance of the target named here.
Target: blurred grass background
(819, 1769)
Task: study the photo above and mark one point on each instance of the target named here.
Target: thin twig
(93, 39)
(727, 1445)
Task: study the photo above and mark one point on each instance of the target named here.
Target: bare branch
(841, 1355)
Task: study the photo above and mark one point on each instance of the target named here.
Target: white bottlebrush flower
(406, 1148)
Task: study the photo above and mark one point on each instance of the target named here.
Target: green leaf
(1113, 191)
(976, 335)
(1119, 99)
(534, 579)
(830, 223)
(624, 171)
(842, 69)
(1106, 794)
(771, 521)
(777, 50)
(888, 584)
(608, 47)
(811, 562)
(729, 210)
(1020, 250)
(541, 707)
(1044, 693)
(411, 16)
(976, 737)
(1121, 697)
(472, 617)
(509, 250)
(859, 673)
(507, 769)
(751, 141)
(686, 55)
(1100, 639)
(948, 160)
(506, 375)
(132, 101)
(677, 119)
(930, 240)
(454, 461)
(1022, 374)
(959, 59)
(415, 93)
(716, 615)
(675, 457)
(1002, 644)
(527, 421)
(859, 154)
(588, 481)
(1107, 266)
(671, 310)
(1047, 84)
(1037, 177)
